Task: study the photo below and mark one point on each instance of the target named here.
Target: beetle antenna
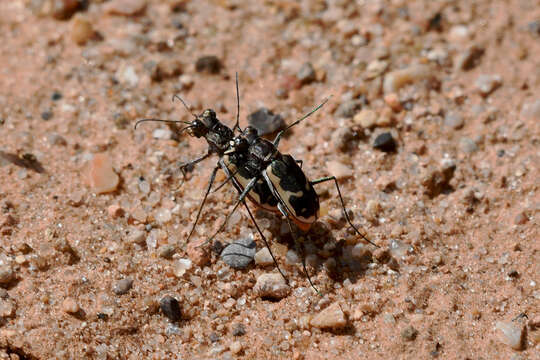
(165, 121)
(185, 105)
(236, 126)
(308, 114)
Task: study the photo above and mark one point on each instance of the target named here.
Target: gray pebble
(239, 254)
(306, 74)
(486, 84)
(454, 120)
(265, 121)
(468, 145)
(349, 108)
(122, 286)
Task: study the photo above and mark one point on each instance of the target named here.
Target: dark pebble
(306, 74)
(265, 121)
(385, 142)
(122, 286)
(470, 58)
(56, 96)
(170, 308)
(239, 254)
(409, 333)
(239, 330)
(209, 64)
(513, 274)
(64, 9)
(46, 115)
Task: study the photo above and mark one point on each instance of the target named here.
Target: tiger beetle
(271, 180)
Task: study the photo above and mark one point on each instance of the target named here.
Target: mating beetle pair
(271, 180)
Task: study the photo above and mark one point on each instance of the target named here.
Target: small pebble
(126, 7)
(127, 75)
(385, 142)
(366, 118)
(306, 74)
(7, 275)
(164, 69)
(163, 215)
(330, 318)
(81, 30)
(343, 138)
(375, 69)
(166, 251)
(392, 100)
(181, 267)
(100, 175)
(239, 330)
(186, 81)
(209, 64)
(454, 120)
(397, 79)
(486, 84)
(170, 308)
(265, 121)
(46, 115)
(468, 145)
(56, 139)
(470, 58)
(521, 218)
(531, 110)
(56, 95)
(409, 333)
(8, 308)
(263, 257)
(235, 347)
(271, 285)
(137, 237)
(121, 287)
(511, 333)
(338, 169)
(292, 258)
(162, 133)
(349, 108)
(115, 211)
(239, 254)
(64, 9)
(70, 306)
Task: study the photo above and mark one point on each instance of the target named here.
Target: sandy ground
(89, 251)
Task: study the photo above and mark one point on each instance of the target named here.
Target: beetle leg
(265, 242)
(191, 163)
(241, 199)
(299, 246)
(328, 178)
(229, 178)
(300, 162)
(212, 178)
